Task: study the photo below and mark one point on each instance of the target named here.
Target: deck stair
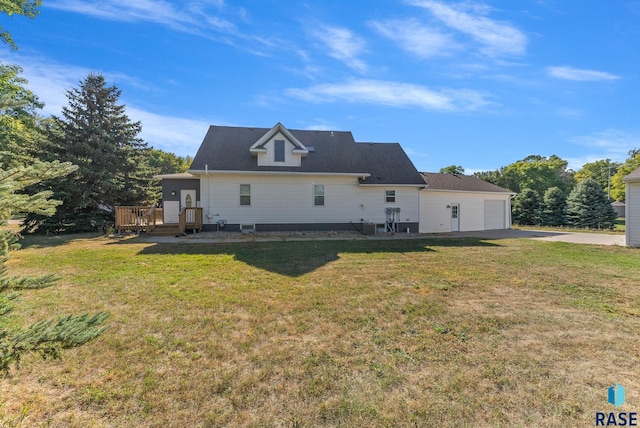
(165, 230)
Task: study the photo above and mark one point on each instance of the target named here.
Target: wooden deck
(147, 219)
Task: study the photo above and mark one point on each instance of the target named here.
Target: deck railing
(134, 219)
(190, 218)
(145, 219)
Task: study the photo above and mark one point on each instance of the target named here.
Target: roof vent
(311, 149)
(332, 133)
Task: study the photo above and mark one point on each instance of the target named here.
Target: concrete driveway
(542, 235)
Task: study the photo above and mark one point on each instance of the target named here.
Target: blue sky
(476, 83)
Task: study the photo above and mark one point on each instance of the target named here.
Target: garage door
(494, 215)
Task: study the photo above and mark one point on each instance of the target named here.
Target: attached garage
(495, 214)
(632, 208)
(455, 202)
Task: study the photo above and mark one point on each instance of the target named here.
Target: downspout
(206, 171)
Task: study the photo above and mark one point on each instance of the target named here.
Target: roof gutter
(218, 171)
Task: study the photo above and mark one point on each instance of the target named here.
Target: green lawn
(442, 332)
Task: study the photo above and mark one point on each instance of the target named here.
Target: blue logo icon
(616, 395)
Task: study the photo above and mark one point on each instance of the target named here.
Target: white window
(245, 194)
(278, 150)
(318, 194)
(390, 196)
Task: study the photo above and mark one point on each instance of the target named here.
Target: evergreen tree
(96, 134)
(588, 206)
(47, 337)
(601, 171)
(526, 208)
(20, 130)
(554, 208)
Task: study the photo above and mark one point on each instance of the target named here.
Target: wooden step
(165, 230)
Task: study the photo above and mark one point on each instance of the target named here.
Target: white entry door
(187, 198)
(455, 217)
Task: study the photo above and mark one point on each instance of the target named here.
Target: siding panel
(633, 214)
(288, 199)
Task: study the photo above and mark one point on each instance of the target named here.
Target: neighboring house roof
(618, 204)
(227, 148)
(633, 177)
(460, 183)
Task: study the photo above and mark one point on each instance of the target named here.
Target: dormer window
(278, 151)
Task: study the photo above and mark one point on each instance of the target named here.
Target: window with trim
(318, 194)
(390, 196)
(245, 194)
(279, 150)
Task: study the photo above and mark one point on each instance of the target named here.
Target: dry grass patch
(333, 333)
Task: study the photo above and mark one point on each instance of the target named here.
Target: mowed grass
(440, 332)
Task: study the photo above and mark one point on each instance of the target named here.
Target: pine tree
(526, 208)
(588, 206)
(20, 132)
(96, 134)
(554, 208)
(47, 337)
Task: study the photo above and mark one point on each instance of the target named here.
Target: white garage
(632, 208)
(459, 203)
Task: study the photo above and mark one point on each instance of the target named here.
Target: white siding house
(280, 179)
(632, 208)
(459, 203)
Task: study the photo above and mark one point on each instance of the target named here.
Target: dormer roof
(258, 146)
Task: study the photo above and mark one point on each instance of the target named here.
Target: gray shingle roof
(388, 164)
(226, 148)
(459, 182)
(634, 176)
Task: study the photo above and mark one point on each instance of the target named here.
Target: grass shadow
(297, 258)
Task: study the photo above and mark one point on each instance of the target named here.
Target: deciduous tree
(28, 8)
(452, 169)
(617, 185)
(601, 171)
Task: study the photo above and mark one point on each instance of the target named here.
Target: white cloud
(193, 17)
(343, 45)
(498, 38)
(392, 94)
(157, 11)
(412, 36)
(611, 144)
(50, 81)
(172, 134)
(581, 75)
